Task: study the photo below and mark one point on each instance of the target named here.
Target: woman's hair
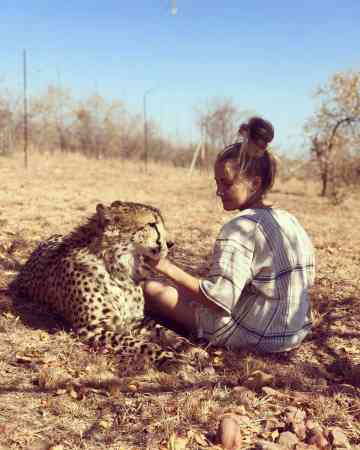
(251, 156)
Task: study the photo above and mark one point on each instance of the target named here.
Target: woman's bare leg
(170, 306)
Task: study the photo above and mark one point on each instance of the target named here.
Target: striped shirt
(263, 266)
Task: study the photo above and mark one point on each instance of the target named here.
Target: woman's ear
(256, 183)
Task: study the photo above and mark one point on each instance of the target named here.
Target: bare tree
(219, 120)
(5, 129)
(11, 121)
(97, 127)
(50, 115)
(102, 129)
(334, 129)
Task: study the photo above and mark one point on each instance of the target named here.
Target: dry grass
(55, 390)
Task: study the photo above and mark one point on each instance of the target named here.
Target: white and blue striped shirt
(263, 266)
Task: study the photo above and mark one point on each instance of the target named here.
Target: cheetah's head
(139, 226)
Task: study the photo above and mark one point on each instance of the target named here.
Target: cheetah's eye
(152, 224)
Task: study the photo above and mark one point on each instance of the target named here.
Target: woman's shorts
(219, 329)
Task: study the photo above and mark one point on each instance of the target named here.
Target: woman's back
(262, 270)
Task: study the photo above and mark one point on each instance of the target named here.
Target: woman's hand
(159, 265)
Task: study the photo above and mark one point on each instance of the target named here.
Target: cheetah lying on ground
(91, 278)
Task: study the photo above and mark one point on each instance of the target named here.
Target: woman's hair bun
(260, 131)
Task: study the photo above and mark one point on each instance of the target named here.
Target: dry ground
(56, 391)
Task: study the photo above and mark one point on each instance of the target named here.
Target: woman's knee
(157, 290)
(164, 301)
(152, 288)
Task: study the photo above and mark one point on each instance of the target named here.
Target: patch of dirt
(56, 391)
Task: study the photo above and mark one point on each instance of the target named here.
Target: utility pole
(25, 113)
(59, 112)
(146, 152)
(198, 151)
(145, 135)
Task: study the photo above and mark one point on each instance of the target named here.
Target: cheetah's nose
(170, 244)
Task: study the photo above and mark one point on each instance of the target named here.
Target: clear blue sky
(266, 56)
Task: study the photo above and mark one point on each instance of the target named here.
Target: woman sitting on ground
(257, 291)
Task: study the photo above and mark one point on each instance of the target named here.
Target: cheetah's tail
(127, 345)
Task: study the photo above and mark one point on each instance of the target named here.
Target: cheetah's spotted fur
(91, 278)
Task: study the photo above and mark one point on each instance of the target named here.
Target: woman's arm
(183, 280)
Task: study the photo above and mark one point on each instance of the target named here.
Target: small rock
(208, 370)
(312, 425)
(318, 439)
(293, 414)
(40, 444)
(295, 417)
(228, 434)
(338, 438)
(244, 396)
(267, 445)
(270, 391)
(288, 439)
(273, 423)
(299, 429)
(303, 446)
(239, 391)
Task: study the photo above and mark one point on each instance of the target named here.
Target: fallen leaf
(133, 387)
(274, 435)
(44, 337)
(217, 362)
(198, 437)
(73, 394)
(23, 358)
(104, 424)
(218, 352)
(60, 391)
(258, 379)
(8, 315)
(270, 391)
(177, 443)
(114, 390)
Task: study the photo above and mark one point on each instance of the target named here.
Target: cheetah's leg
(164, 336)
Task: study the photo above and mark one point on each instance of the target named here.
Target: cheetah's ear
(100, 209)
(103, 214)
(116, 204)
